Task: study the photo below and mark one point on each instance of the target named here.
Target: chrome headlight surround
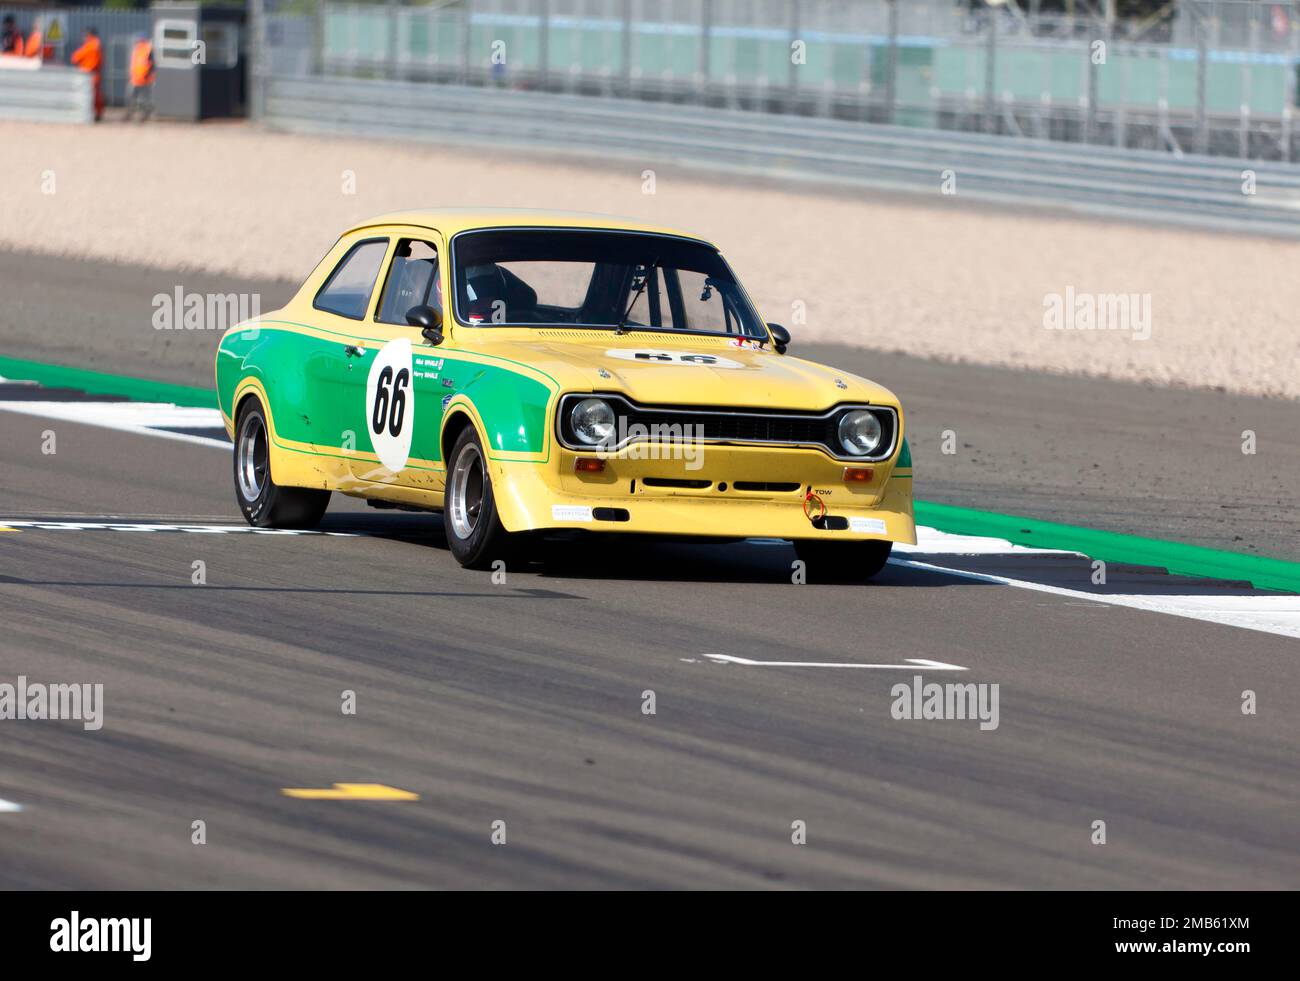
(860, 432)
(592, 422)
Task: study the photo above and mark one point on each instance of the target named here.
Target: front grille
(748, 428)
(709, 424)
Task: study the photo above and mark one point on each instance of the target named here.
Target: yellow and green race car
(528, 372)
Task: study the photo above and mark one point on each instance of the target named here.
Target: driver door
(401, 387)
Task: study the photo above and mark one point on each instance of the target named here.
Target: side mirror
(780, 337)
(428, 320)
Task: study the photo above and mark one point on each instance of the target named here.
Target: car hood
(686, 371)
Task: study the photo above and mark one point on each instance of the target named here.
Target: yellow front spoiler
(528, 499)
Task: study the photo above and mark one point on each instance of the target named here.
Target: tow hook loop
(812, 503)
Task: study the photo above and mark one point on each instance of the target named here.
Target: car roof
(449, 221)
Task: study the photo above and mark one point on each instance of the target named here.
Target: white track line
(130, 417)
(9, 807)
(196, 529)
(1268, 614)
(930, 541)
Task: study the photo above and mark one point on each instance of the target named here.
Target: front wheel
(842, 562)
(475, 534)
(263, 502)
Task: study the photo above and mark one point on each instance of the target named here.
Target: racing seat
(489, 285)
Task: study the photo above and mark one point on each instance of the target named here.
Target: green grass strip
(1177, 558)
(99, 383)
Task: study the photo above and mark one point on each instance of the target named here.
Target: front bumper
(537, 496)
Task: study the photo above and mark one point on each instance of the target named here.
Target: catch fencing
(1208, 76)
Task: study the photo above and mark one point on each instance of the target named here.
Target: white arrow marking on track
(912, 664)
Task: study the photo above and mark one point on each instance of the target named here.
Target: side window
(412, 281)
(347, 291)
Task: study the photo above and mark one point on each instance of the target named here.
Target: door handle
(351, 350)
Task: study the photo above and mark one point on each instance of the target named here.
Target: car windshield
(598, 279)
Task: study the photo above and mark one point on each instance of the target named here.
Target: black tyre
(264, 503)
(843, 562)
(474, 531)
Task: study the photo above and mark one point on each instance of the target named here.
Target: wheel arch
(251, 390)
(290, 467)
(242, 399)
(459, 417)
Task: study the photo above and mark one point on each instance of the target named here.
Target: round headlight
(592, 421)
(860, 432)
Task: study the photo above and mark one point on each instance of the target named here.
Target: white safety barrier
(32, 91)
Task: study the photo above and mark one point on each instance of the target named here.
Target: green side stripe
(1176, 557)
(904, 456)
(99, 383)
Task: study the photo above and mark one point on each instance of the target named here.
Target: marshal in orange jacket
(90, 56)
(142, 67)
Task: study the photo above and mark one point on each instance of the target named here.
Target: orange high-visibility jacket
(89, 56)
(33, 46)
(142, 69)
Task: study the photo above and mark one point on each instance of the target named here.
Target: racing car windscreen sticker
(647, 356)
(390, 404)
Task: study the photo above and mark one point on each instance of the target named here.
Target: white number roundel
(390, 403)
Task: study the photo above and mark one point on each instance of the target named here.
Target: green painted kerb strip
(1177, 557)
(99, 383)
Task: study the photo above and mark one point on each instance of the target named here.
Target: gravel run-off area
(943, 279)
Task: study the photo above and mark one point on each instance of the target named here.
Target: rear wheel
(475, 534)
(264, 503)
(843, 562)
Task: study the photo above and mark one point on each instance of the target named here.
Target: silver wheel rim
(251, 457)
(465, 499)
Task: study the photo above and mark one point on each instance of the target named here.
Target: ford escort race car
(525, 373)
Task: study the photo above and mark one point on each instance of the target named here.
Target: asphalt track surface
(523, 702)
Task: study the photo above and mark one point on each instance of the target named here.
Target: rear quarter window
(347, 291)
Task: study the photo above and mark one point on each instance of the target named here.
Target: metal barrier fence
(117, 30)
(55, 95)
(1215, 76)
(1128, 183)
